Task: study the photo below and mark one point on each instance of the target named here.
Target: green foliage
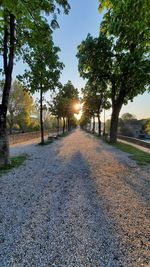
(44, 67)
(48, 142)
(84, 121)
(94, 55)
(128, 21)
(147, 126)
(19, 108)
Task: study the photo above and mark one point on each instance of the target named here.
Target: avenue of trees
(115, 64)
(24, 31)
(117, 61)
(64, 106)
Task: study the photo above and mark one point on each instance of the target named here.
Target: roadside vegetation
(141, 157)
(15, 162)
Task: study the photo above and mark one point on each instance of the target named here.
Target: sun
(78, 109)
(77, 106)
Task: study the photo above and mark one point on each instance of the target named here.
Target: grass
(141, 157)
(14, 163)
(48, 142)
(64, 134)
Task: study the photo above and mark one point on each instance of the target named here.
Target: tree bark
(104, 128)
(64, 125)
(69, 126)
(99, 125)
(114, 122)
(58, 125)
(41, 115)
(93, 129)
(4, 146)
(8, 58)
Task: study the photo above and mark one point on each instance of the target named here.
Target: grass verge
(14, 163)
(64, 134)
(141, 157)
(48, 142)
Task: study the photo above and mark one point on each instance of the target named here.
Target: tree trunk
(41, 115)
(8, 58)
(99, 125)
(69, 126)
(93, 129)
(4, 146)
(64, 125)
(58, 125)
(114, 122)
(104, 128)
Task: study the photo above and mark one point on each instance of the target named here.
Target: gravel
(76, 202)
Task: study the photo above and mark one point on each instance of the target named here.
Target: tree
(19, 22)
(84, 120)
(58, 109)
(64, 105)
(70, 97)
(147, 126)
(95, 64)
(44, 72)
(94, 100)
(19, 107)
(127, 23)
(126, 124)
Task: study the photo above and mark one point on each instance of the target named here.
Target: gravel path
(74, 203)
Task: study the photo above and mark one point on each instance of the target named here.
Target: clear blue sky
(83, 19)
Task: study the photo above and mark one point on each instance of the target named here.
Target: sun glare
(78, 108)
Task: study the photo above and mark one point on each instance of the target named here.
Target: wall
(23, 137)
(135, 141)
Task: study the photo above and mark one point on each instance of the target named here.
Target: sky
(84, 18)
